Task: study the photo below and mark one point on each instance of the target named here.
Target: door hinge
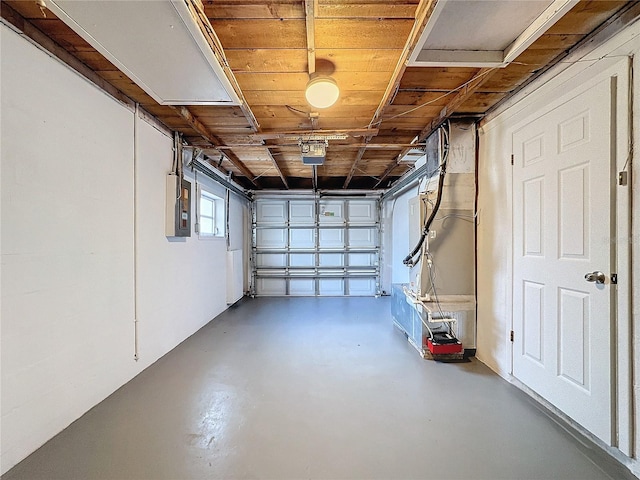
(511, 335)
(512, 159)
(614, 278)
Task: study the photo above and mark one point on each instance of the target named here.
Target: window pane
(206, 206)
(206, 226)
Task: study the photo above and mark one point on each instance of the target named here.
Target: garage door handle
(597, 277)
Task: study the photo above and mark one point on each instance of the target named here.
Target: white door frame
(621, 332)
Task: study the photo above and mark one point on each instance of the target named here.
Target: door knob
(597, 277)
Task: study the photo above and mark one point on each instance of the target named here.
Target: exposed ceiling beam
(310, 13)
(622, 18)
(199, 127)
(463, 95)
(275, 164)
(275, 134)
(337, 143)
(354, 166)
(423, 13)
(198, 13)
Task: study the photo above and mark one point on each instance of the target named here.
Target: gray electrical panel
(178, 214)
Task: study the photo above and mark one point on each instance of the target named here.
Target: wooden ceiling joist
(199, 15)
(274, 134)
(354, 166)
(199, 127)
(309, 11)
(343, 144)
(462, 96)
(277, 167)
(423, 13)
(624, 16)
(271, 47)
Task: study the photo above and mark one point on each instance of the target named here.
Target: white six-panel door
(563, 231)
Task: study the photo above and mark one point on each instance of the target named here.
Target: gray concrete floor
(311, 388)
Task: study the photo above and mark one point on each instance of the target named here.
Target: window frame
(217, 204)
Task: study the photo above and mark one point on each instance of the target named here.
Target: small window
(210, 215)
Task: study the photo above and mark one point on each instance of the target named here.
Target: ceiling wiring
(417, 107)
(293, 109)
(571, 62)
(367, 174)
(446, 93)
(265, 172)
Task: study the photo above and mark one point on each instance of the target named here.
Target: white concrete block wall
(67, 246)
(181, 284)
(634, 240)
(493, 233)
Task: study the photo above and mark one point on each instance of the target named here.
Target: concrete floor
(311, 388)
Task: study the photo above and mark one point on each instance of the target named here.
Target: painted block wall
(72, 271)
(495, 245)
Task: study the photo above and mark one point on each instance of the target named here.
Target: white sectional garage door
(316, 247)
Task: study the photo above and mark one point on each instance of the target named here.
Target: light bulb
(321, 91)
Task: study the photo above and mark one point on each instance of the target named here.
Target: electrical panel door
(178, 218)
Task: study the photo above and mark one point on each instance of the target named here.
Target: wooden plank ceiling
(363, 44)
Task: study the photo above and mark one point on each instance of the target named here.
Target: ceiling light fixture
(322, 91)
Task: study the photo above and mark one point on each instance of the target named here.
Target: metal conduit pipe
(135, 232)
(227, 209)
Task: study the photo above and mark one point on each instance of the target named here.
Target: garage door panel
(362, 259)
(302, 286)
(332, 238)
(272, 212)
(272, 286)
(362, 286)
(331, 286)
(362, 212)
(331, 259)
(363, 238)
(302, 238)
(302, 213)
(302, 259)
(316, 247)
(331, 212)
(271, 260)
(271, 238)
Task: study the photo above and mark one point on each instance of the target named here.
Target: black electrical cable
(408, 260)
(425, 231)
